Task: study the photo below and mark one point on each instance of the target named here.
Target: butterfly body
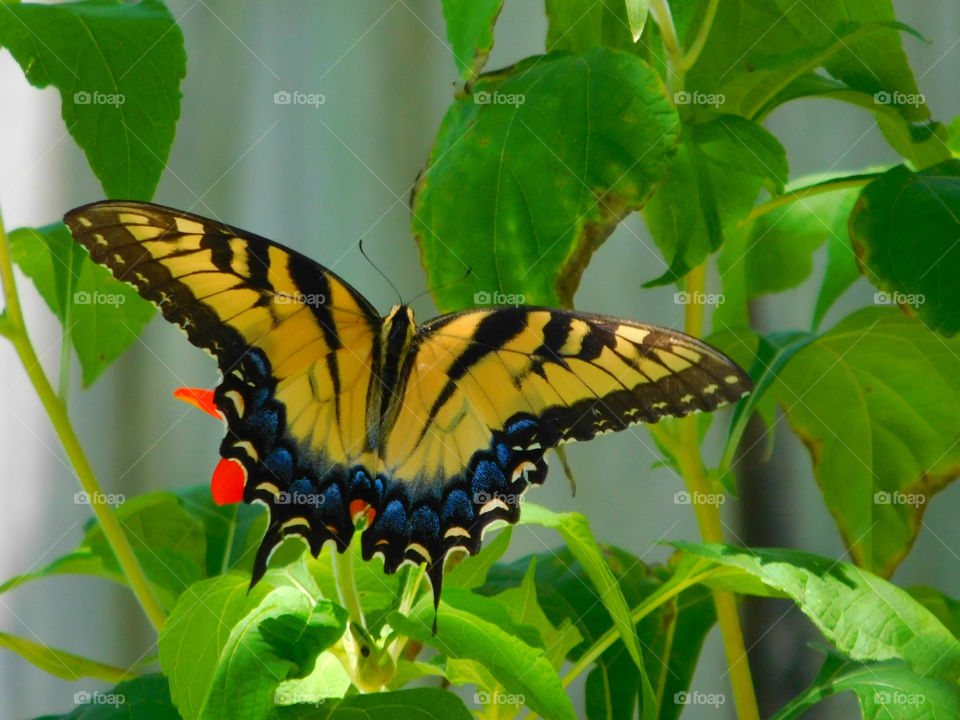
(431, 432)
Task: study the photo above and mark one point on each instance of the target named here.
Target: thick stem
(708, 518)
(17, 332)
(801, 193)
(660, 11)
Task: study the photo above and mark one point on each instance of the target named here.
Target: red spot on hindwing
(228, 481)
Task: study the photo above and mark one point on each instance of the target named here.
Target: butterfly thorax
(396, 340)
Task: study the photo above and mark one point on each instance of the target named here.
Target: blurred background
(319, 179)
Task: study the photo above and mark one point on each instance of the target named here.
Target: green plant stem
(17, 332)
(660, 11)
(231, 535)
(347, 585)
(693, 53)
(809, 191)
(708, 518)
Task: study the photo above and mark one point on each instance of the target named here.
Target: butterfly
(429, 432)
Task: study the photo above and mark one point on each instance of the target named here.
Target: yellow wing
(489, 391)
(293, 341)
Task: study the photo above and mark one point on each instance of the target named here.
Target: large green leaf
(142, 698)
(757, 47)
(472, 571)
(118, 68)
(470, 32)
(473, 627)
(168, 542)
(904, 229)
(877, 402)
(415, 704)
(716, 176)
(886, 691)
(863, 615)
(226, 647)
(102, 314)
(534, 170)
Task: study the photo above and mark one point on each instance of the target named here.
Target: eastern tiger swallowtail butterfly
(433, 431)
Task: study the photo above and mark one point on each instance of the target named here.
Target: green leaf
(865, 616)
(470, 33)
(118, 68)
(877, 402)
(575, 531)
(637, 11)
(226, 647)
(885, 690)
(472, 627)
(719, 170)
(524, 609)
(581, 25)
(168, 542)
(59, 662)
(775, 252)
(558, 149)
(415, 704)
(102, 314)
(755, 49)
(472, 571)
(904, 230)
(945, 608)
(143, 698)
(923, 143)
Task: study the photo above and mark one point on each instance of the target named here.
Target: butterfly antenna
(443, 286)
(381, 272)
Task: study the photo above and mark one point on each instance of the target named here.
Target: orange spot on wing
(358, 508)
(227, 482)
(202, 399)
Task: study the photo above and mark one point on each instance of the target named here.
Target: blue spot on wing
(394, 518)
(457, 507)
(487, 476)
(424, 524)
(279, 463)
